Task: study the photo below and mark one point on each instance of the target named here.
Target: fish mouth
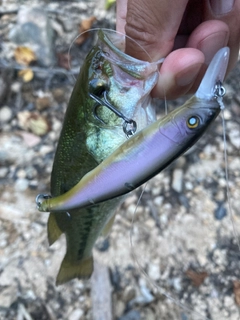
(214, 75)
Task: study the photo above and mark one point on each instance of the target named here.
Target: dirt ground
(183, 263)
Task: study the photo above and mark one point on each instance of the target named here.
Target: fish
(90, 133)
(152, 149)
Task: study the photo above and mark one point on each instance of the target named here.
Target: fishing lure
(152, 149)
(91, 132)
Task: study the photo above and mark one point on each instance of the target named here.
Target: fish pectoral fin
(82, 269)
(108, 226)
(53, 230)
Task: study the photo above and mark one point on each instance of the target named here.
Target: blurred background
(182, 234)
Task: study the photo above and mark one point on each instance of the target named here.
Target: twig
(6, 65)
(101, 293)
(2, 13)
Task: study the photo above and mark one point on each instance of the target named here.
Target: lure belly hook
(150, 150)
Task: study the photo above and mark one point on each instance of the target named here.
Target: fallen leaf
(30, 139)
(26, 74)
(109, 3)
(43, 103)
(63, 60)
(197, 278)
(236, 291)
(34, 122)
(85, 25)
(24, 55)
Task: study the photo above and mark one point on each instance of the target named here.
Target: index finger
(154, 25)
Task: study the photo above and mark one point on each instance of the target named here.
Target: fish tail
(68, 271)
(53, 229)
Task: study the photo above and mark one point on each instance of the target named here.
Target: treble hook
(104, 102)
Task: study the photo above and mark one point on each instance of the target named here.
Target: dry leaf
(236, 291)
(109, 3)
(197, 278)
(24, 55)
(64, 60)
(43, 102)
(31, 140)
(34, 122)
(85, 25)
(26, 74)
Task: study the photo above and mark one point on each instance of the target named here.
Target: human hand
(186, 32)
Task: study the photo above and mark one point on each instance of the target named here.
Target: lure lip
(215, 73)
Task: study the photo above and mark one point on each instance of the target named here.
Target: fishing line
(110, 31)
(141, 269)
(235, 233)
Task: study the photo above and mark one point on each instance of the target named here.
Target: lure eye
(193, 122)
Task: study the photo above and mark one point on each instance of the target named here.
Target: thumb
(154, 25)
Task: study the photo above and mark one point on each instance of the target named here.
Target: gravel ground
(183, 262)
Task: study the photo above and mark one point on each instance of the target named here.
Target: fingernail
(210, 45)
(220, 7)
(188, 75)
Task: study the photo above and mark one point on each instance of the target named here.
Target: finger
(121, 13)
(178, 73)
(228, 12)
(209, 37)
(154, 25)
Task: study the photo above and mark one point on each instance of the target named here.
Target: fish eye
(193, 122)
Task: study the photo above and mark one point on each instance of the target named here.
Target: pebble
(154, 271)
(102, 245)
(21, 174)
(220, 212)
(76, 314)
(177, 284)
(234, 137)
(129, 293)
(177, 180)
(21, 184)
(158, 201)
(5, 114)
(119, 307)
(34, 30)
(3, 172)
(131, 315)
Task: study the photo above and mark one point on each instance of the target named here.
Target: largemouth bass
(90, 133)
(152, 149)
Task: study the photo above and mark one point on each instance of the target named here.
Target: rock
(154, 271)
(102, 245)
(131, 315)
(3, 172)
(220, 212)
(177, 180)
(21, 184)
(7, 296)
(5, 114)
(77, 314)
(129, 294)
(119, 307)
(234, 137)
(34, 30)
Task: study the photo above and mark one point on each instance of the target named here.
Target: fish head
(126, 81)
(109, 74)
(188, 123)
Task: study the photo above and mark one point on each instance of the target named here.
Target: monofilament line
(235, 233)
(151, 282)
